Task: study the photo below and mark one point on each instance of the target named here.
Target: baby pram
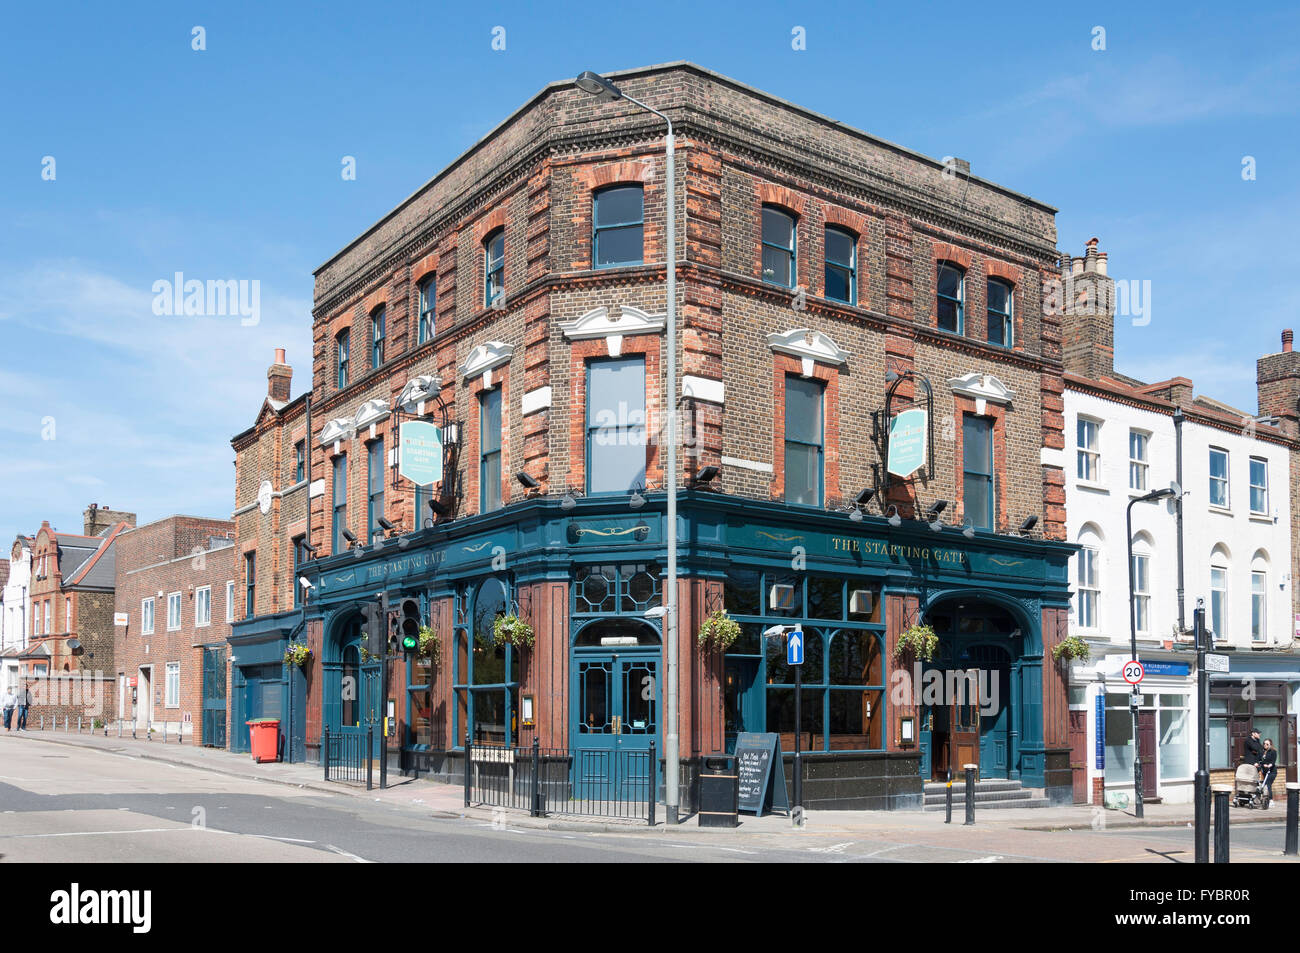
(1249, 788)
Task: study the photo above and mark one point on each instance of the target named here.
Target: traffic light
(409, 626)
(374, 628)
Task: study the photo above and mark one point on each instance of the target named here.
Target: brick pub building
(517, 301)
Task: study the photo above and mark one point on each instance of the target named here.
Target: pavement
(448, 800)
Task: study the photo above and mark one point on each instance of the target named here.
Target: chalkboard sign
(762, 774)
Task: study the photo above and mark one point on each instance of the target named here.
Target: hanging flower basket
(1070, 648)
(719, 631)
(511, 628)
(917, 642)
(297, 654)
(365, 653)
(430, 644)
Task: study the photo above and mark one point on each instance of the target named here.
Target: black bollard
(1292, 815)
(947, 816)
(1222, 794)
(970, 794)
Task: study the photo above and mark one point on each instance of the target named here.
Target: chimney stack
(1277, 380)
(279, 377)
(1088, 316)
(97, 519)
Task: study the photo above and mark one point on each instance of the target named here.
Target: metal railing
(585, 782)
(349, 756)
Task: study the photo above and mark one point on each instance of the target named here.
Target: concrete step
(982, 797)
(993, 805)
(959, 784)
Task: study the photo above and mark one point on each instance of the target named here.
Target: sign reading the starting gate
(1133, 672)
(420, 456)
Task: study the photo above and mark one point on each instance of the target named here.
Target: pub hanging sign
(907, 442)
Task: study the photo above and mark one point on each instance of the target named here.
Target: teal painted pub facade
(874, 726)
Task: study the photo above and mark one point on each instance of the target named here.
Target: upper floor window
(1088, 583)
(1218, 477)
(1089, 450)
(340, 515)
(1219, 596)
(804, 440)
(999, 308)
(146, 616)
(950, 293)
(173, 611)
(778, 247)
(1258, 606)
(203, 606)
(299, 461)
(375, 491)
(490, 450)
(250, 584)
(1258, 485)
(618, 222)
(342, 347)
(841, 265)
(377, 331)
(230, 601)
(1142, 592)
(300, 556)
(977, 467)
(1138, 465)
(494, 267)
(427, 288)
(616, 419)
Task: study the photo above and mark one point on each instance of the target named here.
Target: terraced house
(826, 281)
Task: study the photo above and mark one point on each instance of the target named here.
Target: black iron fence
(349, 756)
(589, 782)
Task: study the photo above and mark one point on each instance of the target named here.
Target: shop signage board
(762, 774)
(907, 433)
(1166, 668)
(420, 459)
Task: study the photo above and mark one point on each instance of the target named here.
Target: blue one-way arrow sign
(794, 648)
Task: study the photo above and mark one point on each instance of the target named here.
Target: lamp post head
(597, 85)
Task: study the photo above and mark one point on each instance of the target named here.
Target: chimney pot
(1101, 263)
(279, 355)
(1287, 337)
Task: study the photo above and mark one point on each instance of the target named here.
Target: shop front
(875, 724)
(261, 685)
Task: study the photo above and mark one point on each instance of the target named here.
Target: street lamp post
(1173, 491)
(597, 85)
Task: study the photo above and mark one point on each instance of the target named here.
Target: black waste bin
(719, 791)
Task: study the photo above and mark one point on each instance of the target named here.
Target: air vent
(780, 597)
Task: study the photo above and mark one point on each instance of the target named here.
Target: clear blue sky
(225, 163)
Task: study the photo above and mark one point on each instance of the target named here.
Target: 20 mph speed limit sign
(1133, 672)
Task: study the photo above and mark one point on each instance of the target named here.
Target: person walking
(1268, 770)
(24, 702)
(7, 702)
(1252, 750)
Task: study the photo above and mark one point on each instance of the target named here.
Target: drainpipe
(1178, 513)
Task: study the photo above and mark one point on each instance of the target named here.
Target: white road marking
(353, 857)
(991, 859)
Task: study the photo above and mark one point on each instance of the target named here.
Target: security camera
(305, 582)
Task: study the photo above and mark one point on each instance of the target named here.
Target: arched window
(1141, 580)
(778, 247)
(1219, 563)
(494, 267)
(486, 676)
(618, 223)
(841, 265)
(950, 293)
(1259, 597)
(999, 308)
(1088, 578)
(378, 323)
(342, 348)
(428, 288)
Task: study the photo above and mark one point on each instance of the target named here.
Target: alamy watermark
(211, 298)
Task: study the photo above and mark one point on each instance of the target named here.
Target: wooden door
(1079, 755)
(1147, 752)
(964, 725)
